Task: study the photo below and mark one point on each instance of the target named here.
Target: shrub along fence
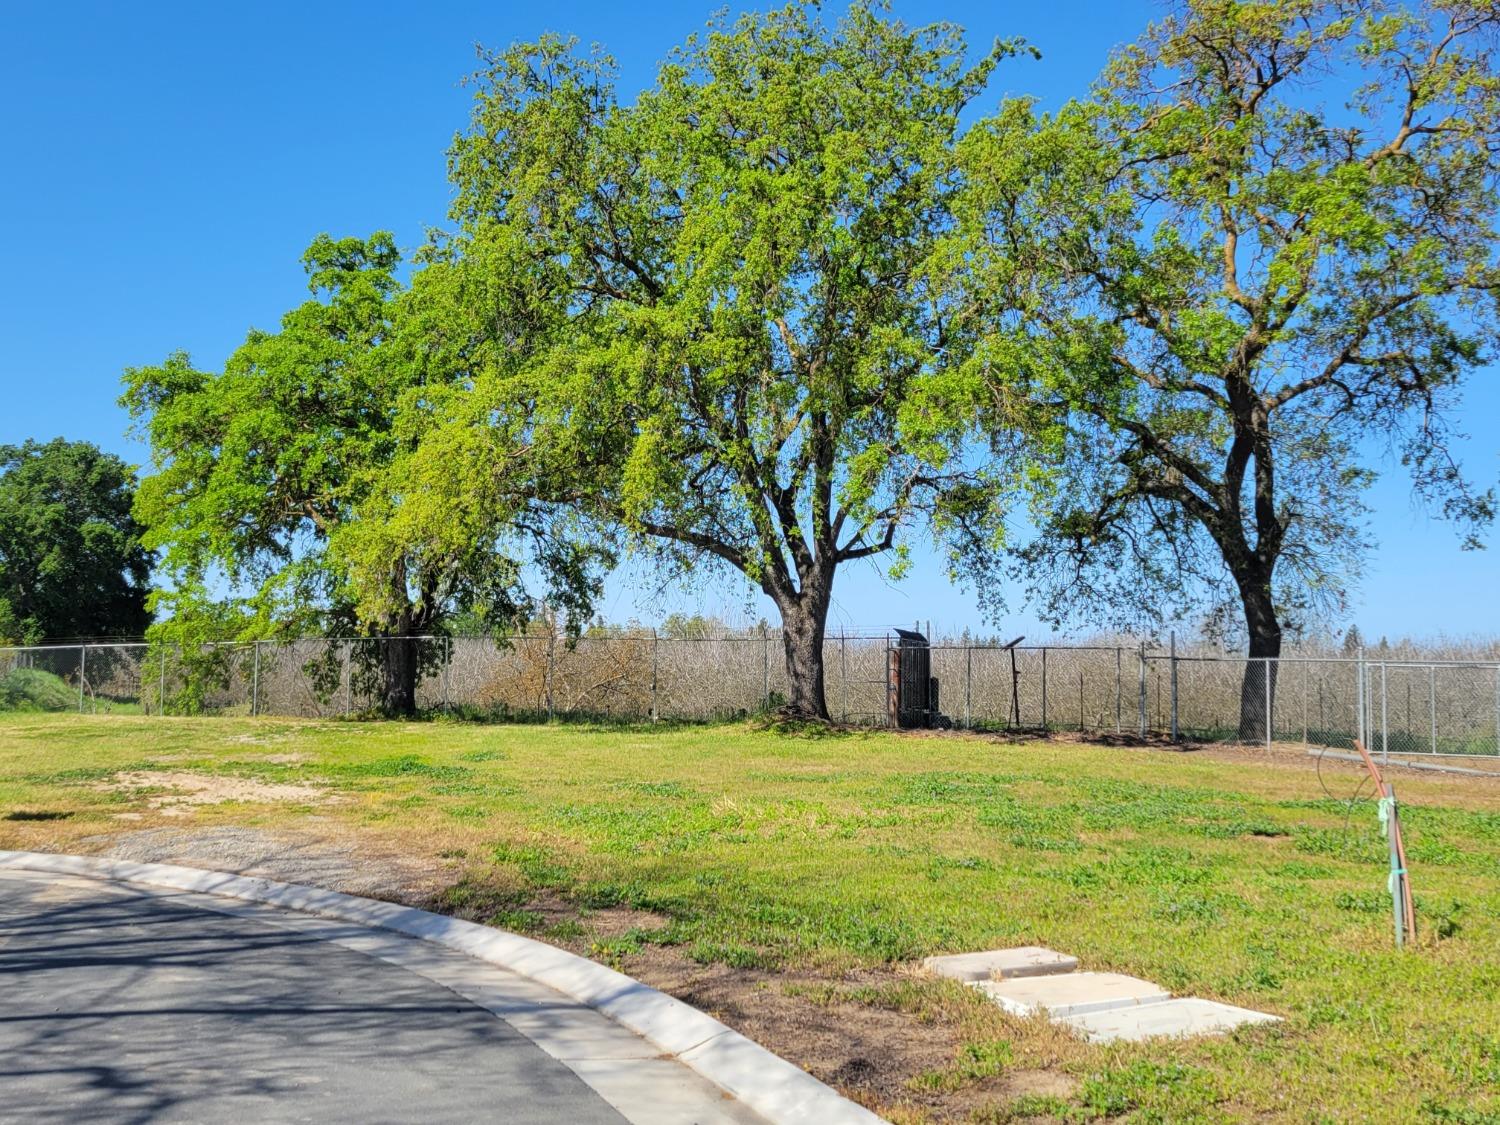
(1395, 706)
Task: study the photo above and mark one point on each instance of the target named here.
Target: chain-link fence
(1394, 706)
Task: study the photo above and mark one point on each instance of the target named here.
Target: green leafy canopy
(71, 559)
(288, 478)
(714, 320)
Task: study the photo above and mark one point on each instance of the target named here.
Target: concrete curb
(782, 1093)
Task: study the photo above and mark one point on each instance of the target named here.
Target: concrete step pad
(1001, 964)
(1188, 1016)
(1072, 994)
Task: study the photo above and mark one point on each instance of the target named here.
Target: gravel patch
(293, 857)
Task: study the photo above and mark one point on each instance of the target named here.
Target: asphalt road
(118, 1005)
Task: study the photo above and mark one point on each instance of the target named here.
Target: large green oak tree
(714, 320)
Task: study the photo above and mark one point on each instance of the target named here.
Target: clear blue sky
(165, 164)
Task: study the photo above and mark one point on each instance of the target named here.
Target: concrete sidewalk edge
(779, 1091)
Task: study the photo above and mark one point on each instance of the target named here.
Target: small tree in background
(278, 482)
(71, 559)
(1268, 241)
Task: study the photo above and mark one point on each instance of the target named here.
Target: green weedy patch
(32, 689)
(835, 861)
(404, 765)
(1151, 1086)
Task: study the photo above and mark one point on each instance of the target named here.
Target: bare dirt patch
(599, 923)
(185, 788)
(854, 1032)
(259, 738)
(867, 1052)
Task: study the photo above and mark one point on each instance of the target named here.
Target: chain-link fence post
(1497, 709)
(1385, 728)
(765, 694)
(255, 680)
(1359, 699)
(968, 685)
(83, 659)
(1176, 731)
(348, 677)
(1142, 657)
(447, 665)
(1119, 687)
(843, 677)
(1044, 687)
(1269, 715)
(551, 661)
(1305, 674)
(161, 684)
(1432, 702)
(655, 644)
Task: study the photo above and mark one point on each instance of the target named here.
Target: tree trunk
(398, 675)
(803, 622)
(1258, 689)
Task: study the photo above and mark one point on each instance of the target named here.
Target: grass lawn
(788, 883)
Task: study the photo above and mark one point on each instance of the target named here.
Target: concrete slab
(1176, 1018)
(1001, 964)
(1072, 994)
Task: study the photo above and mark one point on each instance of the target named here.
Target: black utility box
(911, 689)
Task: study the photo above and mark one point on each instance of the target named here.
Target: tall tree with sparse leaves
(1264, 246)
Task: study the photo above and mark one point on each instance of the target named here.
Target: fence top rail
(1353, 661)
(1032, 648)
(73, 648)
(1409, 662)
